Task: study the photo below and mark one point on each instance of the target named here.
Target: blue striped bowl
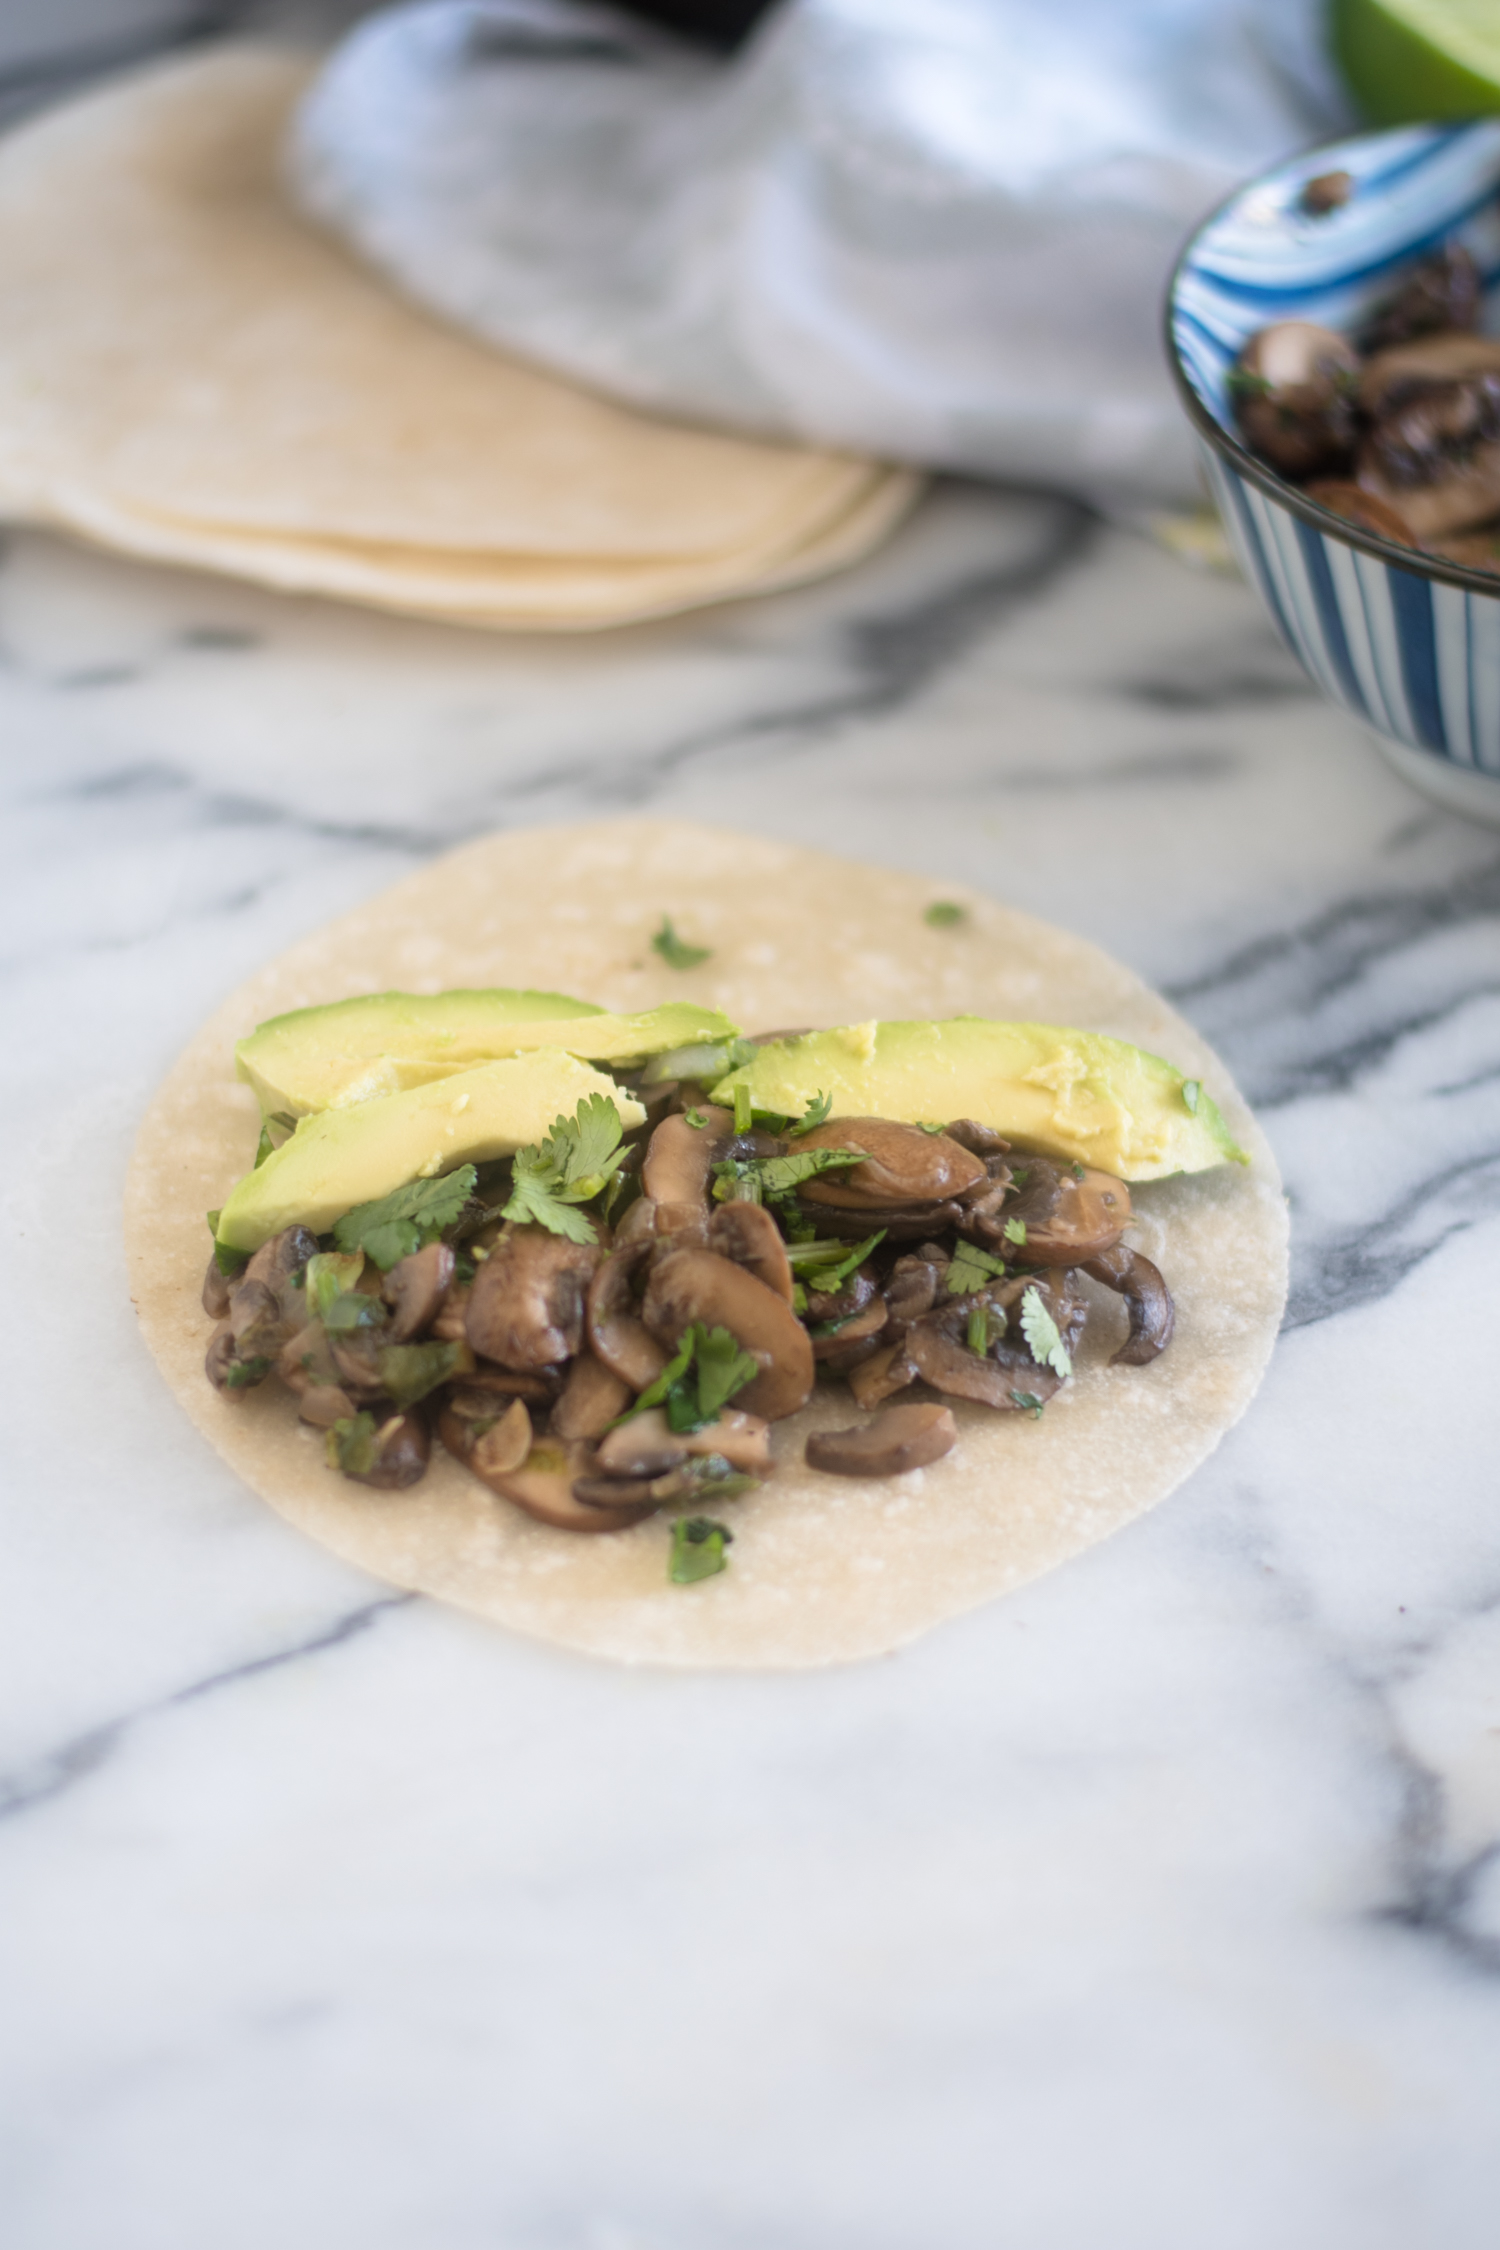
(1408, 643)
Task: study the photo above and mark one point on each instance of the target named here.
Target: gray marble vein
(1158, 1907)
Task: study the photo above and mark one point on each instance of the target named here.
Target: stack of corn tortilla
(190, 371)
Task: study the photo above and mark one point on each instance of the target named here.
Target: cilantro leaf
(327, 1276)
(574, 1164)
(1192, 1088)
(244, 1374)
(1015, 1231)
(970, 1268)
(943, 914)
(695, 1396)
(1029, 1403)
(674, 951)
(400, 1223)
(778, 1175)
(829, 1278)
(410, 1371)
(350, 1445)
(698, 1545)
(1043, 1339)
(723, 1369)
(817, 1112)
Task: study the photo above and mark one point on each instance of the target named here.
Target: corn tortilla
(824, 1569)
(180, 348)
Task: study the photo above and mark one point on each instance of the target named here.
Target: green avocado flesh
(1056, 1092)
(347, 1156)
(388, 1042)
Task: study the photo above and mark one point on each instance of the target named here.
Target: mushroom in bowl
(1332, 358)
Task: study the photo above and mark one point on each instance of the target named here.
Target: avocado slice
(387, 1042)
(1058, 1092)
(354, 1154)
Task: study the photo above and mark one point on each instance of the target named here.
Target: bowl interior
(1261, 257)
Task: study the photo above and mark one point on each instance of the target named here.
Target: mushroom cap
(747, 1233)
(526, 1308)
(416, 1289)
(617, 1335)
(679, 1156)
(592, 1397)
(1068, 1215)
(688, 1286)
(904, 1165)
(897, 1439)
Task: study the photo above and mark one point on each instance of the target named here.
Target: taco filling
(596, 1258)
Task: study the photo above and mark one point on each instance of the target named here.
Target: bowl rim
(1414, 560)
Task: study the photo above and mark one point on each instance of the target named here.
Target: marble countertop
(1156, 1908)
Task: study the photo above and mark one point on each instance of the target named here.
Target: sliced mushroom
(255, 1318)
(980, 1140)
(617, 1334)
(544, 1489)
(592, 1397)
(646, 1446)
(1293, 392)
(416, 1289)
(285, 1254)
(915, 1222)
(638, 1224)
(540, 1388)
(222, 1363)
(863, 1328)
(842, 1303)
(914, 1285)
(899, 1438)
(526, 1306)
(695, 1285)
(748, 1234)
(216, 1288)
(356, 1361)
(676, 1169)
(1069, 1214)
(505, 1444)
(1443, 292)
(937, 1350)
(1433, 453)
(403, 1447)
(903, 1165)
(323, 1404)
(885, 1372)
(1148, 1301)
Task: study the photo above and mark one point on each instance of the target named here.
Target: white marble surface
(1157, 1908)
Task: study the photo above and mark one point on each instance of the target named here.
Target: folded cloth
(934, 232)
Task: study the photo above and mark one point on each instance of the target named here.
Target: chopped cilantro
(1075, 1168)
(264, 1147)
(698, 1381)
(799, 1299)
(827, 1279)
(698, 1545)
(328, 1277)
(717, 1478)
(817, 1112)
(244, 1374)
(1029, 1403)
(780, 1174)
(1015, 1231)
(943, 914)
(744, 1112)
(576, 1162)
(402, 1222)
(927, 1126)
(977, 1333)
(350, 1445)
(1191, 1089)
(1043, 1339)
(410, 1371)
(674, 951)
(970, 1268)
(347, 1314)
(696, 1119)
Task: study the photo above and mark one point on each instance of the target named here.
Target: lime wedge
(1411, 59)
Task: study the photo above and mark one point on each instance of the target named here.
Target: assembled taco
(646, 1324)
